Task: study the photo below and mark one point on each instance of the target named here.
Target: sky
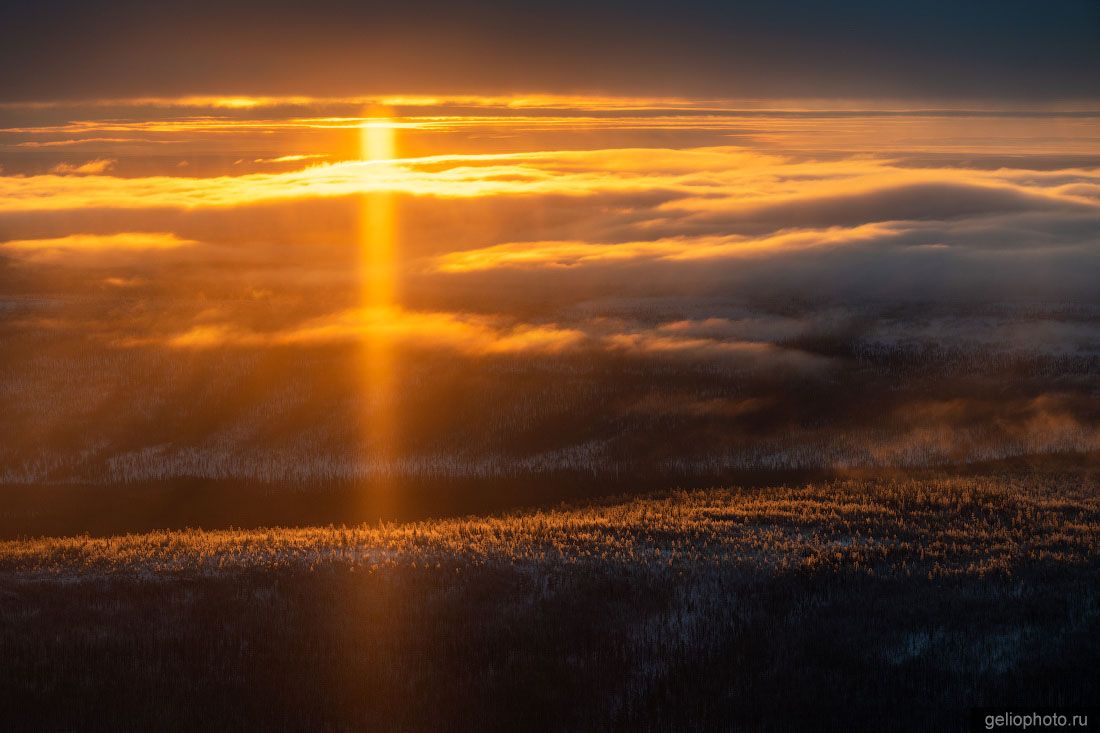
(229, 234)
(935, 49)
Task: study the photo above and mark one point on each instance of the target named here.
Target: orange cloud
(57, 247)
(92, 167)
(474, 335)
(704, 180)
(479, 335)
(290, 158)
(572, 254)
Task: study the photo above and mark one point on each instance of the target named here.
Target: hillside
(842, 602)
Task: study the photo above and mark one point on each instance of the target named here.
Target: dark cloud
(995, 258)
(908, 202)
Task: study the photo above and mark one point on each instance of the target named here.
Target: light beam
(378, 300)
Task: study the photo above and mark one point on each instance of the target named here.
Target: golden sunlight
(549, 366)
(376, 244)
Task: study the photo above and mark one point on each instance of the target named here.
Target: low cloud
(99, 250)
(290, 158)
(470, 334)
(91, 168)
(480, 335)
(573, 254)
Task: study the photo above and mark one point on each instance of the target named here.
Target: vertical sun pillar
(378, 302)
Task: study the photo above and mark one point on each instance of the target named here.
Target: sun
(377, 139)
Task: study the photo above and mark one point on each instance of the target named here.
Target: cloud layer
(636, 287)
